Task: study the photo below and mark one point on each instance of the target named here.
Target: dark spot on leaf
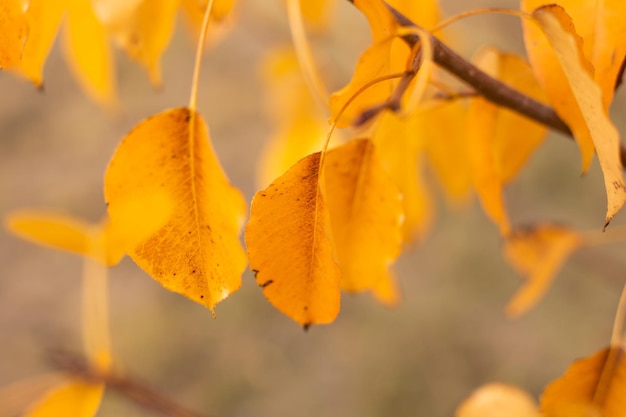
(266, 283)
(193, 271)
(202, 296)
(306, 326)
(255, 272)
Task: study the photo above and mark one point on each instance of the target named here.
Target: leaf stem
(618, 324)
(193, 99)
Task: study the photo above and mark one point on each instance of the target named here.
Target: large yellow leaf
(499, 140)
(400, 149)
(74, 398)
(13, 34)
(537, 253)
(586, 114)
(290, 245)
(197, 252)
(498, 400)
(143, 32)
(44, 18)
(87, 49)
(366, 214)
(593, 386)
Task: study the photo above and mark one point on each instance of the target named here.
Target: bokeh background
(447, 337)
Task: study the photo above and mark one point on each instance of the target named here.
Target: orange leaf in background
(373, 63)
(400, 147)
(498, 400)
(537, 253)
(197, 252)
(442, 129)
(73, 398)
(13, 34)
(143, 32)
(559, 29)
(44, 19)
(593, 386)
(301, 128)
(290, 245)
(87, 50)
(366, 214)
(499, 140)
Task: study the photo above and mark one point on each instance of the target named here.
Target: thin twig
(131, 388)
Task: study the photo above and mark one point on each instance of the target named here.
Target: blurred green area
(421, 359)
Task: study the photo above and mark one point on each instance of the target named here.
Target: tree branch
(130, 388)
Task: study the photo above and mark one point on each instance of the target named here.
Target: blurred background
(448, 336)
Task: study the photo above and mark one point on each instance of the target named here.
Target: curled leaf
(537, 253)
(291, 248)
(197, 252)
(366, 214)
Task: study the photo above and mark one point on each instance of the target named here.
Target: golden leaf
(144, 32)
(499, 140)
(498, 400)
(581, 100)
(290, 245)
(366, 214)
(17, 396)
(13, 34)
(537, 253)
(591, 387)
(197, 252)
(74, 398)
(87, 50)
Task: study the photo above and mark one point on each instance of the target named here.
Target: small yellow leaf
(87, 50)
(13, 34)
(74, 398)
(499, 140)
(145, 32)
(400, 149)
(366, 214)
(585, 114)
(197, 252)
(290, 245)
(591, 387)
(498, 400)
(44, 19)
(537, 253)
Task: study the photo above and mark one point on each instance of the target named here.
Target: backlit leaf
(499, 140)
(593, 386)
(537, 253)
(366, 214)
(13, 34)
(44, 19)
(580, 101)
(400, 149)
(197, 252)
(290, 245)
(17, 396)
(498, 400)
(145, 32)
(75, 398)
(87, 50)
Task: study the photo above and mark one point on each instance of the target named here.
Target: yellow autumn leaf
(300, 128)
(366, 213)
(386, 291)
(14, 32)
(290, 245)
(559, 29)
(44, 19)
(499, 140)
(400, 149)
(442, 129)
(88, 52)
(424, 13)
(74, 398)
(373, 63)
(593, 386)
(17, 396)
(197, 252)
(498, 400)
(537, 253)
(143, 32)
